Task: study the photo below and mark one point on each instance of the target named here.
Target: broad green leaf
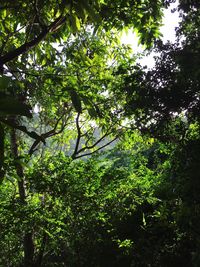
(143, 219)
(80, 11)
(75, 23)
(76, 100)
(92, 112)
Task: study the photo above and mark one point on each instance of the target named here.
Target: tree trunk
(28, 235)
(2, 137)
(38, 262)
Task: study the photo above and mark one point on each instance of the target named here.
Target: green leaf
(92, 112)
(80, 11)
(76, 100)
(4, 13)
(75, 23)
(92, 108)
(10, 106)
(2, 139)
(143, 219)
(98, 111)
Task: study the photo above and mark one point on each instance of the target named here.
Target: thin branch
(95, 144)
(39, 75)
(50, 133)
(108, 132)
(57, 23)
(78, 135)
(87, 134)
(14, 125)
(10, 34)
(37, 12)
(99, 148)
(30, 29)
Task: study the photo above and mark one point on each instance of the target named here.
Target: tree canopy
(56, 53)
(99, 156)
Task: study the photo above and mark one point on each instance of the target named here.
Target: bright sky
(170, 22)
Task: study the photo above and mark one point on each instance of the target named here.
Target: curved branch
(14, 125)
(48, 134)
(57, 23)
(99, 148)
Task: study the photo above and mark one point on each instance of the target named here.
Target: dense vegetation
(99, 156)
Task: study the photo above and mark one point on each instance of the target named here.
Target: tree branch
(49, 134)
(78, 135)
(29, 45)
(99, 148)
(2, 148)
(14, 125)
(95, 144)
(41, 251)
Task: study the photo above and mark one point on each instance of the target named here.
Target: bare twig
(50, 133)
(96, 143)
(99, 148)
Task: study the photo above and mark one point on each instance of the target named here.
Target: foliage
(168, 95)
(69, 89)
(128, 206)
(60, 58)
(83, 208)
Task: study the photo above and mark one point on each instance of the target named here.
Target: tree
(164, 103)
(168, 93)
(50, 57)
(126, 206)
(82, 213)
(29, 54)
(129, 206)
